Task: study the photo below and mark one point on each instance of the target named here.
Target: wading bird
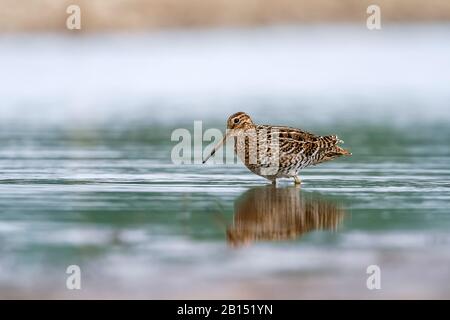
(276, 151)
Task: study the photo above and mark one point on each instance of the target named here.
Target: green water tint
(110, 201)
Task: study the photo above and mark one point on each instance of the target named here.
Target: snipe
(276, 151)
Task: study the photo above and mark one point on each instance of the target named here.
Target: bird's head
(237, 122)
(240, 120)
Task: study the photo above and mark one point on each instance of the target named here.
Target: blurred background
(86, 177)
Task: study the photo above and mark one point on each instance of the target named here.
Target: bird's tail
(335, 152)
(331, 150)
(329, 145)
(338, 151)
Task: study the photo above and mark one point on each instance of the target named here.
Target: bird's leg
(274, 182)
(297, 180)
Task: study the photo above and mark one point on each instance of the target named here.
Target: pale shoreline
(138, 15)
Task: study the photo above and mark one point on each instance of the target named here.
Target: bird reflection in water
(269, 214)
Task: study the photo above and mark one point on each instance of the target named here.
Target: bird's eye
(236, 120)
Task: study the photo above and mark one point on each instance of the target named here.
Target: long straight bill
(217, 146)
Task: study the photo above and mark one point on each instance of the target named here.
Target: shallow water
(100, 191)
(139, 226)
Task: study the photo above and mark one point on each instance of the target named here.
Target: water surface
(86, 176)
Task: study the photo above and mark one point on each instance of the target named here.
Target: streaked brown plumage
(276, 151)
